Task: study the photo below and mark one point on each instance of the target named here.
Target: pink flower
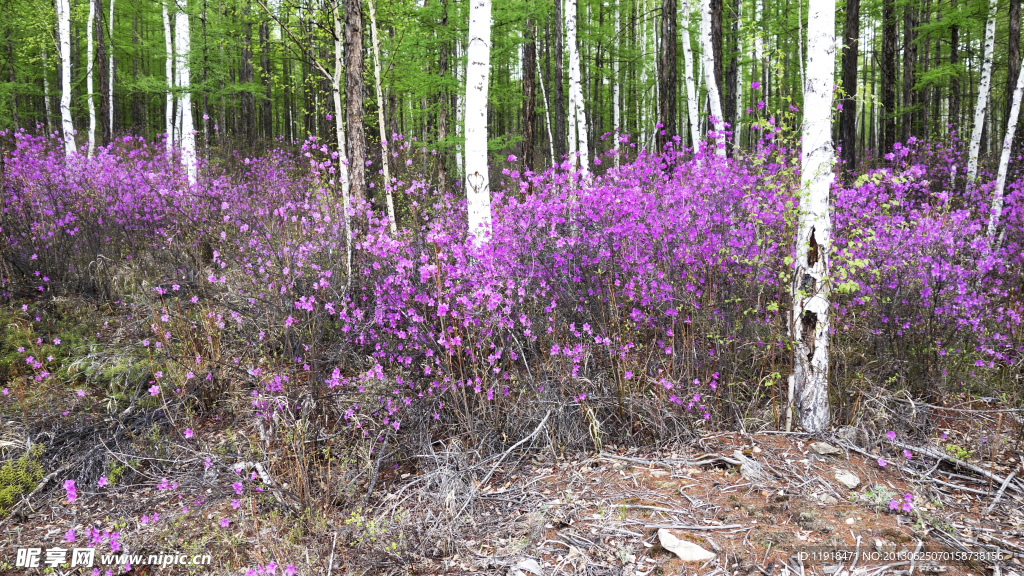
(894, 505)
(69, 486)
(69, 536)
(80, 392)
(224, 522)
(154, 390)
(290, 570)
(56, 341)
(890, 435)
(102, 482)
(908, 454)
(238, 488)
(235, 504)
(882, 463)
(512, 158)
(188, 432)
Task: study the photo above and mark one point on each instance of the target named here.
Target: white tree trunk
(692, 96)
(547, 118)
(577, 107)
(714, 99)
(478, 67)
(88, 76)
(46, 91)
(1004, 159)
(110, 69)
(380, 119)
(64, 35)
(809, 323)
(616, 112)
(983, 92)
(169, 71)
(183, 42)
(339, 130)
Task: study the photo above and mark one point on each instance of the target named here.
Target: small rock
(686, 551)
(530, 565)
(856, 436)
(829, 500)
(847, 479)
(824, 449)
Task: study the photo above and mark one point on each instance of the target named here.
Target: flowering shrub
(639, 302)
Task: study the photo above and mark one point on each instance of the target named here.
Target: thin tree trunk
(529, 94)
(385, 157)
(169, 71)
(1013, 49)
(848, 119)
(339, 130)
(983, 92)
(1004, 161)
(111, 69)
(64, 43)
(46, 91)
(354, 97)
(954, 80)
(730, 77)
(558, 81)
(547, 119)
(692, 95)
(245, 77)
(183, 41)
(909, 62)
(478, 64)
(266, 76)
(667, 77)
(737, 124)
(105, 110)
(811, 287)
(576, 88)
(714, 101)
(616, 95)
(89, 61)
(888, 111)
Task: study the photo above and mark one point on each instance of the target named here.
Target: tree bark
(811, 286)
(714, 100)
(954, 81)
(109, 133)
(183, 40)
(1004, 160)
(577, 109)
(103, 74)
(64, 43)
(730, 77)
(848, 118)
(245, 77)
(557, 88)
(478, 65)
(90, 60)
(909, 63)
(529, 94)
(691, 91)
(354, 97)
(1013, 50)
(267, 105)
(888, 66)
(984, 88)
(667, 79)
(385, 157)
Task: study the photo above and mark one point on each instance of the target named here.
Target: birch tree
(809, 324)
(714, 99)
(616, 112)
(380, 118)
(169, 71)
(110, 70)
(64, 41)
(691, 91)
(1004, 160)
(88, 77)
(183, 43)
(478, 65)
(576, 107)
(983, 93)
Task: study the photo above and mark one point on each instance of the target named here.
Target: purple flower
(224, 522)
(69, 487)
(188, 432)
(890, 435)
(154, 390)
(908, 454)
(102, 481)
(882, 463)
(69, 536)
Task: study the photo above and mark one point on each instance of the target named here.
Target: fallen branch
(1002, 489)
(689, 527)
(937, 454)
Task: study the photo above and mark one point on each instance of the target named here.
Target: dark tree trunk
(667, 72)
(954, 81)
(529, 94)
(266, 106)
(557, 89)
(716, 43)
(101, 66)
(888, 65)
(137, 105)
(354, 97)
(12, 78)
(909, 63)
(848, 119)
(245, 76)
(732, 71)
(1013, 56)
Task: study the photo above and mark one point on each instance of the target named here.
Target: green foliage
(19, 477)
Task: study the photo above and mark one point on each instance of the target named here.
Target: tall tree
(247, 116)
(848, 117)
(691, 92)
(714, 100)
(888, 69)
(478, 66)
(667, 79)
(909, 62)
(1012, 50)
(89, 69)
(64, 43)
(266, 78)
(556, 82)
(954, 79)
(385, 160)
(354, 96)
(169, 74)
(183, 45)
(983, 93)
(577, 107)
(529, 93)
(996, 210)
(811, 283)
(101, 68)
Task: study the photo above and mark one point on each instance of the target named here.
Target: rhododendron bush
(644, 301)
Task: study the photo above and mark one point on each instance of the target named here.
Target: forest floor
(759, 504)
